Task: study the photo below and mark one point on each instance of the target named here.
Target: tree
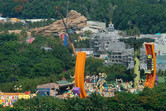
(82, 44)
(136, 43)
(23, 33)
(92, 65)
(88, 33)
(21, 60)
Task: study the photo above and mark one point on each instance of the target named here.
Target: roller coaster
(151, 65)
(151, 69)
(79, 73)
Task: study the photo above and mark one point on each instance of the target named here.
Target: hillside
(148, 15)
(19, 60)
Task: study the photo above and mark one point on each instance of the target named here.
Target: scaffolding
(108, 44)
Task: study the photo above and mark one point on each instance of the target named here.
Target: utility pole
(67, 15)
(65, 38)
(66, 31)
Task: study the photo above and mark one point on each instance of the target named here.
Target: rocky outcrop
(75, 20)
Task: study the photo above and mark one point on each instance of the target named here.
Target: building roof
(161, 48)
(57, 85)
(96, 23)
(94, 30)
(84, 49)
(30, 39)
(48, 85)
(116, 46)
(63, 82)
(46, 48)
(2, 18)
(113, 36)
(35, 20)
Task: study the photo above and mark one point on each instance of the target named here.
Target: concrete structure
(94, 27)
(160, 49)
(52, 89)
(111, 27)
(3, 20)
(35, 20)
(97, 24)
(101, 42)
(11, 20)
(46, 48)
(108, 45)
(89, 51)
(49, 88)
(14, 20)
(161, 62)
(124, 57)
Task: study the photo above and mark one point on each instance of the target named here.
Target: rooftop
(96, 23)
(63, 82)
(2, 18)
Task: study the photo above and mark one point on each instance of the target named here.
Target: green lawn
(161, 79)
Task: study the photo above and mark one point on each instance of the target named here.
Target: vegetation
(147, 100)
(20, 60)
(147, 15)
(136, 43)
(82, 44)
(30, 64)
(26, 26)
(161, 73)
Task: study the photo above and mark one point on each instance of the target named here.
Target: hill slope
(148, 15)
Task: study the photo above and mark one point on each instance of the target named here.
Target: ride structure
(101, 82)
(79, 73)
(80, 66)
(151, 65)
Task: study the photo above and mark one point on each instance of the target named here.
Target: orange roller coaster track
(150, 78)
(79, 72)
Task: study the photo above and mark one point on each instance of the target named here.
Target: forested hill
(148, 15)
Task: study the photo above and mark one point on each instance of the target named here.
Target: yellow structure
(101, 82)
(79, 73)
(7, 99)
(13, 20)
(150, 78)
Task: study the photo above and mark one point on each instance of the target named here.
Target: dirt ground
(18, 32)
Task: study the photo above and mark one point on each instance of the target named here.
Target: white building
(94, 26)
(88, 51)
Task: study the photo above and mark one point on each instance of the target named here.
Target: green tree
(92, 65)
(23, 33)
(136, 43)
(88, 33)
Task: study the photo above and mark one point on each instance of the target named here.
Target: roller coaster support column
(136, 66)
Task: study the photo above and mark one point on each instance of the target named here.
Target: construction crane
(66, 31)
